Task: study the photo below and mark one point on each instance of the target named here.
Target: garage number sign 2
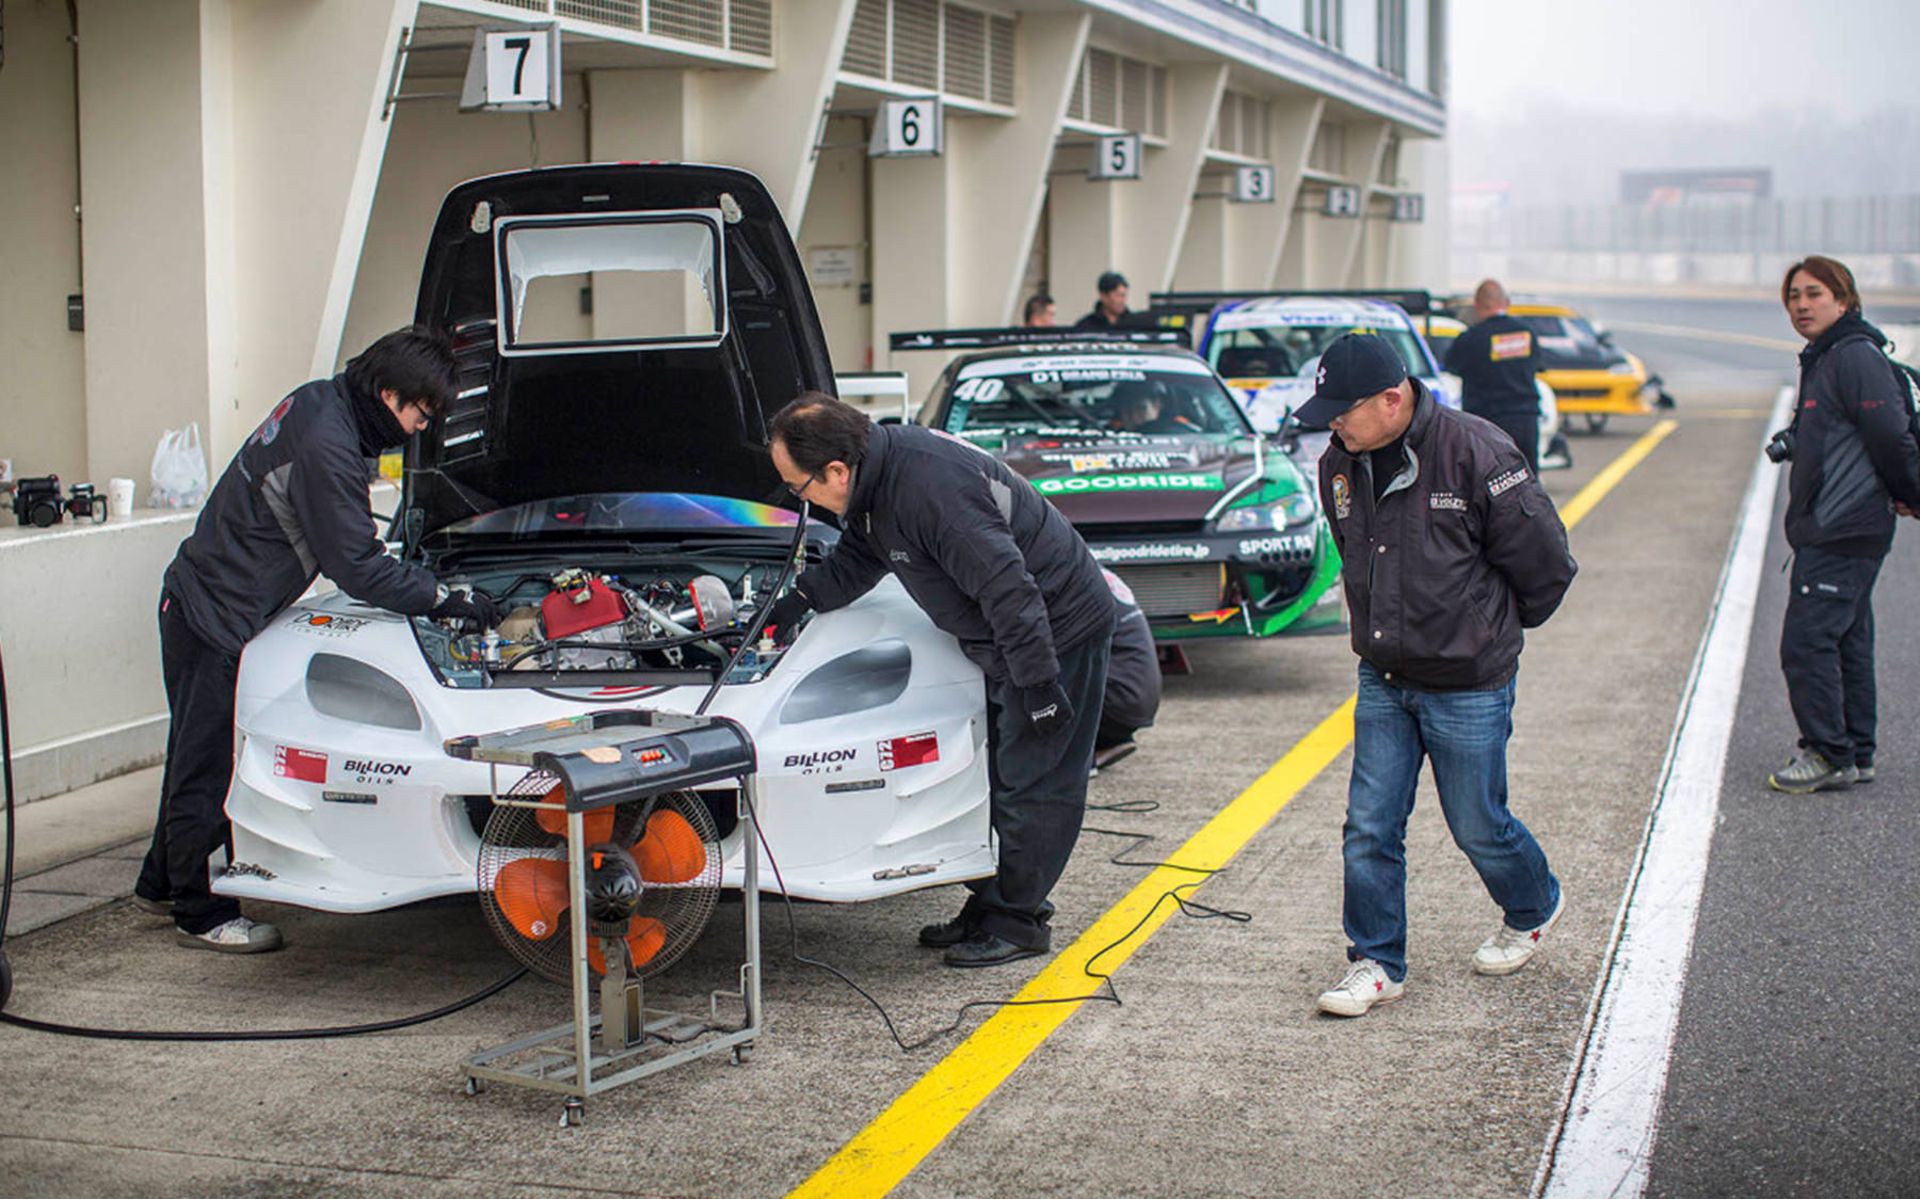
(907, 128)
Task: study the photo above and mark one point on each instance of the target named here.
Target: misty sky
(1701, 58)
(1552, 99)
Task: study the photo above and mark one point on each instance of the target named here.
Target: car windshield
(1281, 351)
(621, 512)
(1569, 331)
(1133, 393)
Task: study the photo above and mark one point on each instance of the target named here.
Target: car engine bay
(654, 622)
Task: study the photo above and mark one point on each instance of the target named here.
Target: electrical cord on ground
(1107, 993)
(129, 1034)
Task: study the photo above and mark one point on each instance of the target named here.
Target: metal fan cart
(599, 760)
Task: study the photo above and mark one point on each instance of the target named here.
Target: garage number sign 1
(907, 128)
(513, 70)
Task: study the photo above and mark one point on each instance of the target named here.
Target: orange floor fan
(603, 862)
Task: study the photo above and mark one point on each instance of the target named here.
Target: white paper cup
(119, 497)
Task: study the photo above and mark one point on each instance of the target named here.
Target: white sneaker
(1366, 983)
(238, 935)
(1508, 949)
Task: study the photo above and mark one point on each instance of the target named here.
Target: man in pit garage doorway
(291, 505)
(993, 563)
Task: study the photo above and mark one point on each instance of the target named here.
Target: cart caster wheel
(573, 1114)
(1597, 422)
(742, 1054)
(475, 1086)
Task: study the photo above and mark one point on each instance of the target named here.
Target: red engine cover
(564, 618)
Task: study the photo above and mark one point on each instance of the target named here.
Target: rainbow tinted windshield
(612, 512)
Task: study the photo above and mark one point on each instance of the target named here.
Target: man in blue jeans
(1449, 548)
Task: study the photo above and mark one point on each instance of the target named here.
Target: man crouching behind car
(1449, 548)
(292, 504)
(995, 565)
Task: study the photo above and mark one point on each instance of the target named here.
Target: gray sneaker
(1863, 774)
(238, 935)
(153, 907)
(1810, 772)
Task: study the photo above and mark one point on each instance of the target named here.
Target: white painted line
(1698, 334)
(1603, 1143)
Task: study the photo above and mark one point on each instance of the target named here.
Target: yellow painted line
(1721, 335)
(1597, 487)
(882, 1154)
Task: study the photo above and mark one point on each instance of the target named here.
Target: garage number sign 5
(1116, 157)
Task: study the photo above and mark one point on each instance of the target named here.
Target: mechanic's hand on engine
(783, 619)
(1047, 709)
(475, 610)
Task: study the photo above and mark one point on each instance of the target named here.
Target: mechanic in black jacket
(1496, 360)
(1448, 549)
(1854, 462)
(997, 566)
(291, 505)
(1110, 309)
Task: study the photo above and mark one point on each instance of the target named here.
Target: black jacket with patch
(1854, 451)
(1462, 552)
(1496, 360)
(985, 555)
(290, 506)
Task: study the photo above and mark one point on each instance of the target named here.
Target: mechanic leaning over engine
(291, 505)
(1855, 464)
(995, 565)
(1448, 549)
(1496, 360)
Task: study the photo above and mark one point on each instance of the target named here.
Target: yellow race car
(1590, 376)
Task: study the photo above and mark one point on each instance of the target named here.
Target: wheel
(741, 1054)
(475, 1086)
(573, 1114)
(1597, 422)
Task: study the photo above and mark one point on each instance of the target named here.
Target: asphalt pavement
(1214, 1076)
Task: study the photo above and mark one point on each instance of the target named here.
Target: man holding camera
(1449, 548)
(292, 505)
(994, 564)
(1855, 463)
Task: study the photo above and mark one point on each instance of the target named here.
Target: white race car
(624, 334)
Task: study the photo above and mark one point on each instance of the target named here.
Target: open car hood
(1114, 480)
(618, 328)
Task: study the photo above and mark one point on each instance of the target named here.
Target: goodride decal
(1083, 484)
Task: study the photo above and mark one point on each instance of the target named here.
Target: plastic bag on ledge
(179, 469)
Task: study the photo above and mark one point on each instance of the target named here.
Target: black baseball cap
(1354, 367)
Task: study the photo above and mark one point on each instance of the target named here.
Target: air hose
(128, 1034)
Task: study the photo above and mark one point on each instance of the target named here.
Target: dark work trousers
(1826, 652)
(193, 787)
(1039, 796)
(1524, 428)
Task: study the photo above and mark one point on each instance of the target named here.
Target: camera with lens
(38, 502)
(1780, 448)
(83, 504)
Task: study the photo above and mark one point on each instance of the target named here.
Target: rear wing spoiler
(1416, 301)
(973, 339)
(874, 390)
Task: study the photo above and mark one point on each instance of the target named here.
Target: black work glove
(1047, 709)
(783, 618)
(474, 610)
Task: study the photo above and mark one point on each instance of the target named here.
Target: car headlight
(1290, 511)
(855, 682)
(1620, 368)
(349, 689)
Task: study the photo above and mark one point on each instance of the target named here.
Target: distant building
(1708, 185)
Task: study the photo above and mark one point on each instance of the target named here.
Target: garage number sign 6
(907, 128)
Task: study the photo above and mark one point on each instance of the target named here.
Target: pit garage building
(207, 202)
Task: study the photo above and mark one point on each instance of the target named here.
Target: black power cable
(1107, 992)
(128, 1034)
